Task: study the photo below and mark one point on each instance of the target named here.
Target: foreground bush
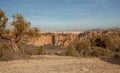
(78, 48)
(31, 50)
(100, 52)
(6, 53)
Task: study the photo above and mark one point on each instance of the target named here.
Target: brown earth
(58, 64)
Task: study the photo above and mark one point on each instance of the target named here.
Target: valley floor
(58, 64)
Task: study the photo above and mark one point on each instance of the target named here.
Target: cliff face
(54, 39)
(64, 39)
(42, 40)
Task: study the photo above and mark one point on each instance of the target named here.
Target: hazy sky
(62, 15)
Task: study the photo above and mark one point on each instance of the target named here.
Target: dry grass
(58, 64)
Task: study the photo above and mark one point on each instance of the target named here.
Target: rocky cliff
(63, 39)
(54, 39)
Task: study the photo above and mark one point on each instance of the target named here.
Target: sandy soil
(59, 64)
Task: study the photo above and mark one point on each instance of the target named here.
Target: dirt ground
(59, 64)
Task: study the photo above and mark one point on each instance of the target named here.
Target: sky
(65, 15)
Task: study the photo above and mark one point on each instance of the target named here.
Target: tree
(21, 28)
(33, 33)
(3, 21)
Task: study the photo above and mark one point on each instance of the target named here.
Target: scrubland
(95, 51)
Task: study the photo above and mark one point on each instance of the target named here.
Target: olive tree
(3, 21)
(33, 33)
(20, 29)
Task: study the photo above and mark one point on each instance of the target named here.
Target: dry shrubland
(14, 42)
(97, 45)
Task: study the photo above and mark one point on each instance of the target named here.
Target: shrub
(84, 47)
(78, 48)
(116, 55)
(71, 51)
(40, 50)
(30, 49)
(48, 46)
(102, 41)
(6, 53)
(100, 52)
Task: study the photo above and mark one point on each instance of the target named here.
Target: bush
(40, 50)
(102, 41)
(6, 53)
(48, 46)
(71, 51)
(31, 50)
(100, 52)
(116, 55)
(2, 49)
(84, 48)
(78, 48)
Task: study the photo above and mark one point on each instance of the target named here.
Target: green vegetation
(3, 21)
(100, 45)
(103, 43)
(21, 28)
(32, 50)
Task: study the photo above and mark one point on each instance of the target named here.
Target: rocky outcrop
(64, 39)
(53, 39)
